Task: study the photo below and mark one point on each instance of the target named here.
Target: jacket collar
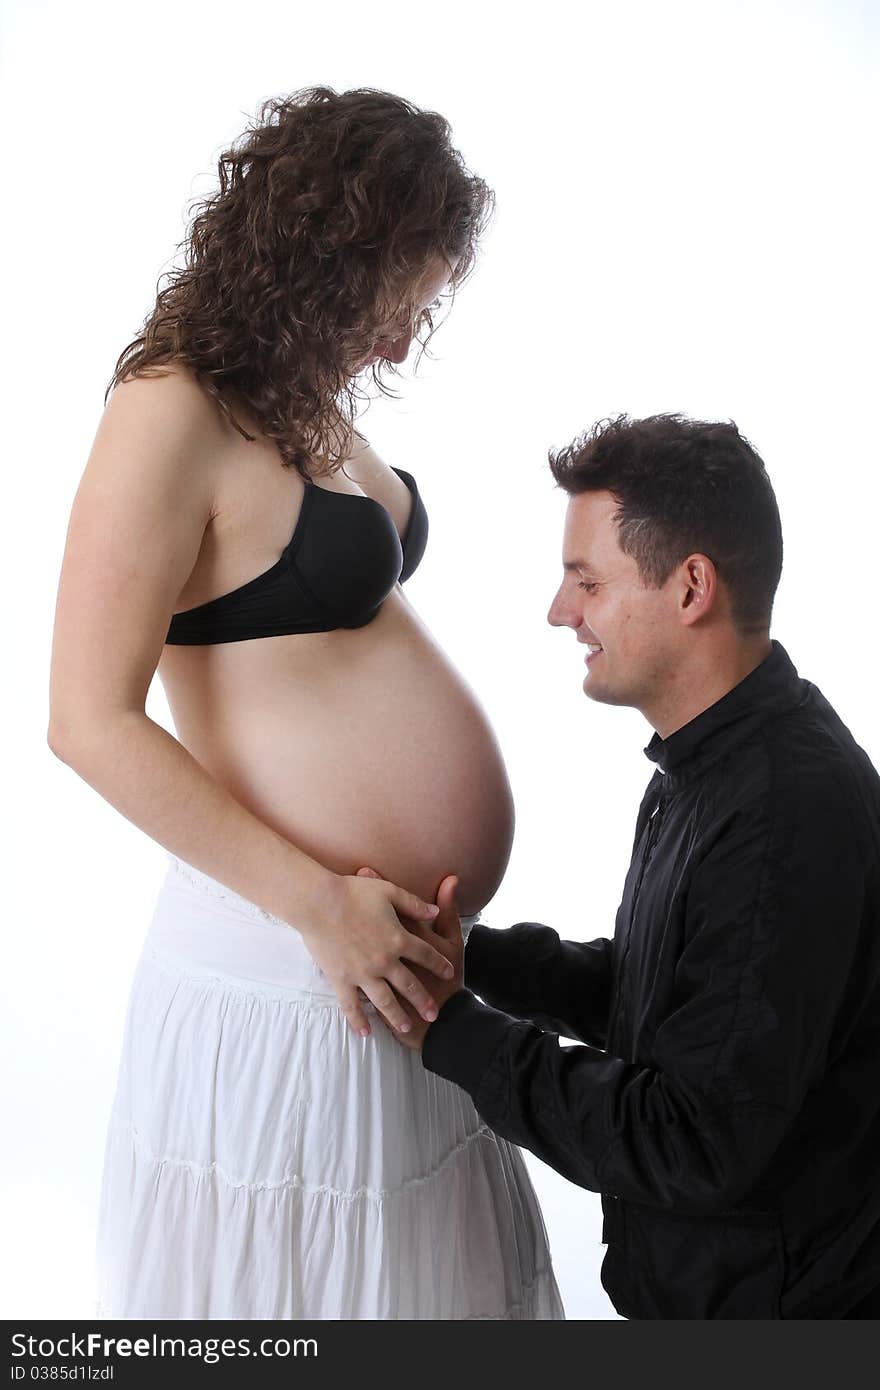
(771, 688)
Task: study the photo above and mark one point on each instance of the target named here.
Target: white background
(686, 221)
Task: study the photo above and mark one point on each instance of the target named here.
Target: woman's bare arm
(136, 527)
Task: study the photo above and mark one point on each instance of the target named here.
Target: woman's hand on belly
(358, 940)
(448, 927)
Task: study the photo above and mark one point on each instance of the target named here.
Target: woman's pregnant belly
(360, 746)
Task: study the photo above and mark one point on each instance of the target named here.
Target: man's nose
(562, 612)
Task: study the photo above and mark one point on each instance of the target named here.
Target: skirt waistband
(203, 928)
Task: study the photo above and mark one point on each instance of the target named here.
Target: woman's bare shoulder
(171, 382)
(172, 393)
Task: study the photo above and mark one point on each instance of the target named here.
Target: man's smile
(595, 649)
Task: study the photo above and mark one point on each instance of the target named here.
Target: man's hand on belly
(447, 925)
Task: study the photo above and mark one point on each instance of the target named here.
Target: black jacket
(726, 1098)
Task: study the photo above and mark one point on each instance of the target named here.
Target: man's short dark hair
(685, 486)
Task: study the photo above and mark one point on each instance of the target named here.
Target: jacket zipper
(653, 826)
(653, 833)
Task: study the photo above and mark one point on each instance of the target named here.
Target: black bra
(339, 566)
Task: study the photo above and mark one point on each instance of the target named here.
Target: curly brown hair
(331, 208)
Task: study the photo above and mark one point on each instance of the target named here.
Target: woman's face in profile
(393, 340)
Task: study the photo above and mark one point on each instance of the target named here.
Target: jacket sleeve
(775, 915)
(562, 986)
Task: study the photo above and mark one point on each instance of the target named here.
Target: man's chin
(600, 693)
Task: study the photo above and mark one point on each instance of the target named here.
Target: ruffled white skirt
(262, 1161)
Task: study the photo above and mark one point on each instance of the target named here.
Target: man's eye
(587, 584)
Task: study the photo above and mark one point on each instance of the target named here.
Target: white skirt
(263, 1161)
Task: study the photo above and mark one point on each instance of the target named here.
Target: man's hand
(447, 925)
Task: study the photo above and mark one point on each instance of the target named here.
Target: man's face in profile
(633, 630)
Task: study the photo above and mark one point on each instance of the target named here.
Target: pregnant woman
(272, 1151)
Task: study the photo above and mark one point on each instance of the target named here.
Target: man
(725, 1098)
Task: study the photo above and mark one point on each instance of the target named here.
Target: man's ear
(702, 589)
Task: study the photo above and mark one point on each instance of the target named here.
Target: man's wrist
(486, 964)
(460, 1042)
